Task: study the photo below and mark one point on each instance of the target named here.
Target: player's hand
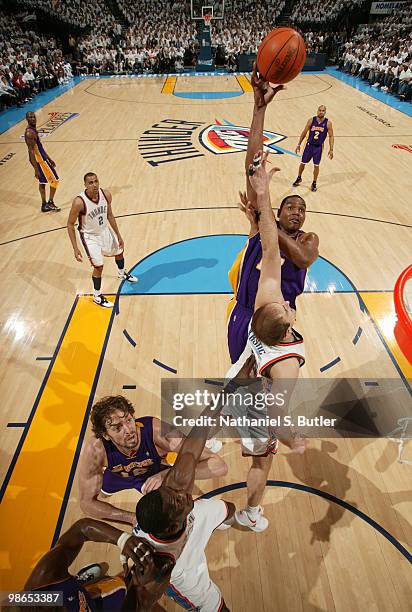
(262, 91)
(121, 243)
(78, 254)
(153, 482)
(248, 209)
(330, 154)
(140, 552)
(52, 162)
(148, 565)
(297, 150)
(258, 177)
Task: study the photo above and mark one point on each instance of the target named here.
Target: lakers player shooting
(318, 127)
(44, 166)
(98, 230)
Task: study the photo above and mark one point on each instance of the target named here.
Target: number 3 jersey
(93, 218)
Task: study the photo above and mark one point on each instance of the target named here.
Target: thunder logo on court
(226, 138)
(172, 140)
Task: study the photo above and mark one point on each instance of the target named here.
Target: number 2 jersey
(93, 218)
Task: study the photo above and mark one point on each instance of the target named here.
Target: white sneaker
(259, 524)
(102, 301)
(127, 277)
(214, 445)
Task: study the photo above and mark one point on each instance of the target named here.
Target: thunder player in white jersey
(175, 525)
(98, 232)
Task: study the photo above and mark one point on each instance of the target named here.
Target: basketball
(281, 55)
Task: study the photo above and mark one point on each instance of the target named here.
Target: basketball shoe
(100, 300)
(260, 523)
(298, 181)
(123, 275)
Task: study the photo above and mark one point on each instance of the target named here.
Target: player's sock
(120, 264)
(97, 285)
(253, 511)
(122, 272)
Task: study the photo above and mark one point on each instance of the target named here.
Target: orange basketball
(281, 55)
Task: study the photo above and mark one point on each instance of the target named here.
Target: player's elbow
(88, 505)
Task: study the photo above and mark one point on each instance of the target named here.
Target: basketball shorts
(260, 440)
(313, 152)
(195, 591)
(108, 594)
(47, 174)
(101, 245)
(237, 330)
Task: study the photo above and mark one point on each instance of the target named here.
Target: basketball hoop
(207, 19)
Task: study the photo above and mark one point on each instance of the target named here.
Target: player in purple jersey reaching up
(318, 127)
(129, 453)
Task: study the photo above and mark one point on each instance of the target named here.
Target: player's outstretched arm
(54, 565)
(263, 94)
(269, 282)
(90, 483)
(303, 135)
(76, 209)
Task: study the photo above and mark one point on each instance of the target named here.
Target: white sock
(253, 511)
(97, 292)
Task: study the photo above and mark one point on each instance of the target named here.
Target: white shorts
(101, 245)
(195, 591)
(260, 440)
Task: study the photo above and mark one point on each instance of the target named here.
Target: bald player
(318, 127)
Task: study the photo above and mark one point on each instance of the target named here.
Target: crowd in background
(29, 62)
(381, 55)
(160, 36)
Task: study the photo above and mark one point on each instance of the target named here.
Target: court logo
(221, 138)
(403, 147)
(6, 158)
(172, 140)
(56, 119)
(374, 116)
(168, 141)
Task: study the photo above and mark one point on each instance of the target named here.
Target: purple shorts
(312, 152)
(237, 331)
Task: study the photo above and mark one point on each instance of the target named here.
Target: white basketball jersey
(93, 218)
(189, 549)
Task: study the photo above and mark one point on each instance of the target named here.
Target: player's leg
(315, 177)
(111, 248)
(300, 172)
(252, 515)
(51, 203)
(122, 274)
(42, 189)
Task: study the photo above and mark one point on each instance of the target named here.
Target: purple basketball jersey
(292, 285)
(131, 472)
(318, 131)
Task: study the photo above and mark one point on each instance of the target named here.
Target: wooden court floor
(60, 352)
